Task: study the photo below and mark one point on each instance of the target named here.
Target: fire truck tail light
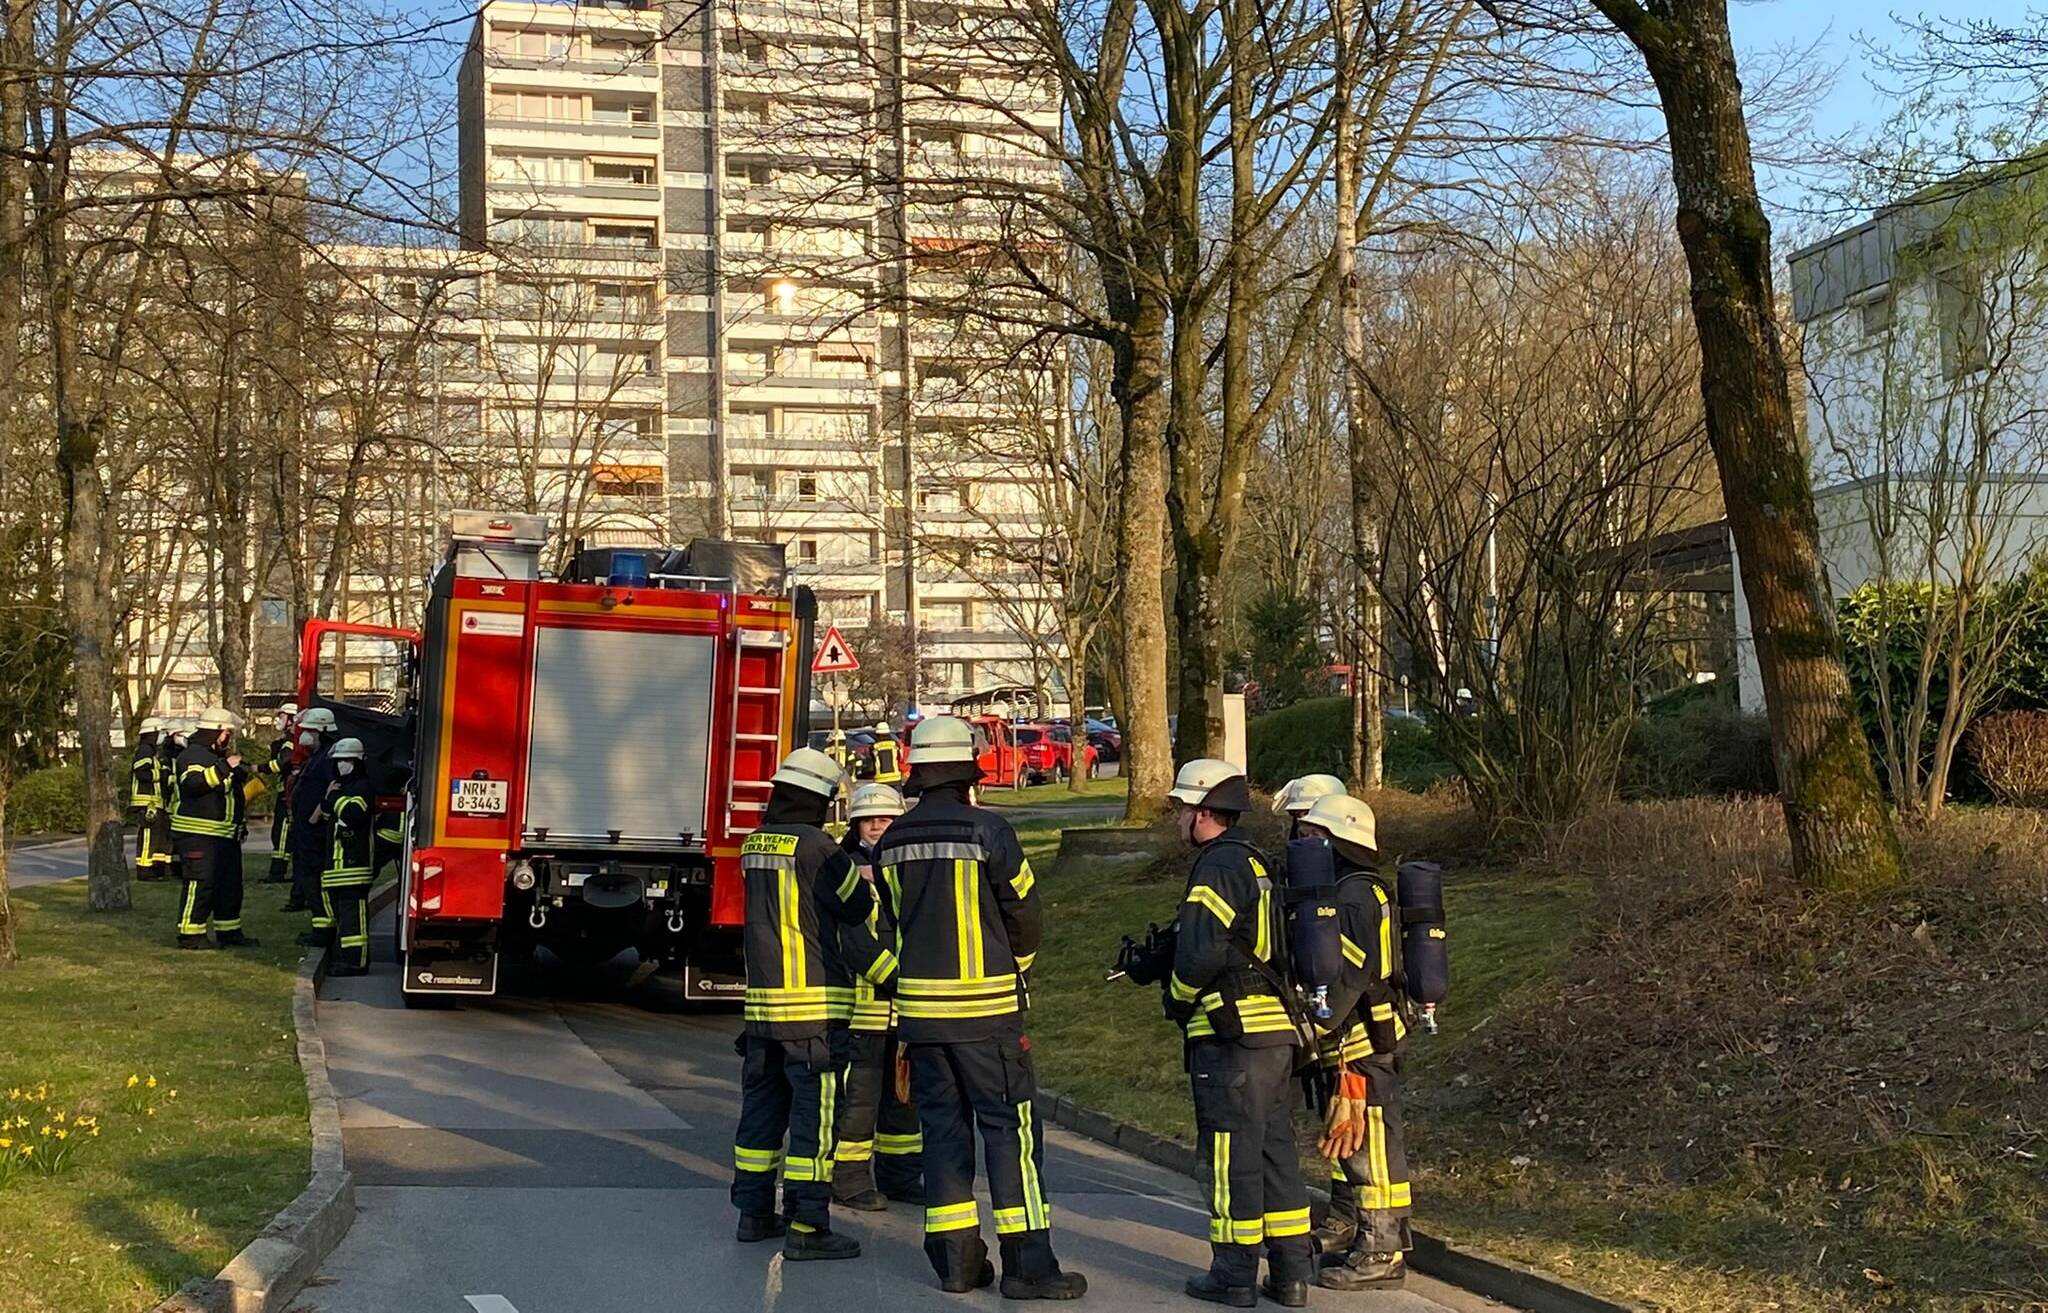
(432, 904)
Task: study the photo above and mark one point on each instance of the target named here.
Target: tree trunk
(1198, 621)
(8, 955)
(1077, 716)
(1842, 836)
(1140, 388)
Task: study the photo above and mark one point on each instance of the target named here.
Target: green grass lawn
(155, 1199)
(1051, 795)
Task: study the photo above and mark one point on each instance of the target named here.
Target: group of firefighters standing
(190, 790)
(887, 991)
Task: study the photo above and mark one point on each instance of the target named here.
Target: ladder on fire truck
(757, 718)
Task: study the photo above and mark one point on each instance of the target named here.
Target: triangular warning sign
(835, 655)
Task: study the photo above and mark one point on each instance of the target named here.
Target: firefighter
(203, 824)
(277, 769)
(800, 887)
(310, 838)
(1228, 991)
(1297, 796)
(345, 880)
(967, 930)
(888, 766)
(146, 795)
(170, 741)
(1366, 1233)
(880, 1152)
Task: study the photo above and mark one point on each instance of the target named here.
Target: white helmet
(149, 725)
(941, 739)
(1208, 782)
(318, 719)
(1297, 796)
(288, 710)
(178, 729)
(218, 718)
(882, 727)
(874, 800)
(1346, 818)
(812, 771)
(347, 750)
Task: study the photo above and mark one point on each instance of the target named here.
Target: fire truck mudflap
(592, 751)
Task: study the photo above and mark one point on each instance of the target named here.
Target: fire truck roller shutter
(621, 735)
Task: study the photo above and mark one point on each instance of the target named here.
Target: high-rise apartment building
(724, 256)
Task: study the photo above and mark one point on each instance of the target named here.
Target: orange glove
(1344, 1128)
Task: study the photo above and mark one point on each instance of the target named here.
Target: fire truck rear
(591, 751)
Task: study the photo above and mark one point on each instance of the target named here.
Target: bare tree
(1842, 834)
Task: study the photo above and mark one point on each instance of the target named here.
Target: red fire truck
(588, 751)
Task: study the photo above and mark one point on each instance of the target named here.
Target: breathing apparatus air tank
(1314, 932)
(1425, 950)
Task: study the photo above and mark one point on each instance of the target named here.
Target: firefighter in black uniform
(800, 888)
(1366, 1233)
(277, 769)
(311, 838)
(1228, 991)
(880, 1153)
(146, 795)
(967, 925)
(203, 825)
(345, 883)
(169, 743)
(887, 756)
(1298, 795)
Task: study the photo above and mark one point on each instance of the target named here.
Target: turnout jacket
(800, 888)
(348, 857)
(967, 919)
(1365, 1003)
(866, 946)
(146, 779)
(1229, 917)
(203, 800)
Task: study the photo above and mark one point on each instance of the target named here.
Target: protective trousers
(1369, 1191)
(280, 835)
(345, 900)
(212, 868)
(309, 849)
(1244, 1103)
(153, 843)
(880, 1145)
(787, 1088)
(985, 1082)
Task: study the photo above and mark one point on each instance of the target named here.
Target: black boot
(760, 1226)
(962, 1282)
(803, 1246)
(1361, 1270)
(1333, 1238)
(869, 1200)
(1215, 1290)
(1053, 1285)
(1287, 1294)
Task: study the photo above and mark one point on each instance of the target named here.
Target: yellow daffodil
(174, 1094)
(151, 1082)
(14, 1096)
(95, 1132)
(58, 1117)
(6, 1143)
(150, 1110)
(63, 1135)
(44, 1129)
(133, 1081)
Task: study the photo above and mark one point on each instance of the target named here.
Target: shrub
(1314, 737)
(49, 801)
(1702, 748)
(2010, 752)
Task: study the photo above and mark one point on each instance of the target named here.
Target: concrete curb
(1510, 1283)
(272, 1269)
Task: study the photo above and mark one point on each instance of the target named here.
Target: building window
(807, 550)
(941, 497)
(275, 611)
(1874, 315)
(779, 297)
(641, 481)
(629, 173)
(1959, 311)
(807, 487)
(623, 298)
(618, 49)
(949, 615)
(621, 109)
(514, 166)
(554, 105)
(530, 44)
(637, 235)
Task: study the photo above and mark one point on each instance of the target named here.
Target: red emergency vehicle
(590, 751)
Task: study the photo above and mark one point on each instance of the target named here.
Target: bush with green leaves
(49, 801)
(1697, 745)
(1314, 737)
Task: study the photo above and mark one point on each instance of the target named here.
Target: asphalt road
(46, 860)
(566, 1148)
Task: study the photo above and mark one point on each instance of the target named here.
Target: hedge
(1314, 737)
(48, 801)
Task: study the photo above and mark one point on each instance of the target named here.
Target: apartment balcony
(839, 451)
(801, 17)
(522, 191)
(636, 75)
(784, 389)
(555, 132)
(639, 258)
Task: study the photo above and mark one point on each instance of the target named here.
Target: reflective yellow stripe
(953, 1217)
(1037, 1216)
(1011, 1221)
(850, 883)
(1262, 946)
(967, 910)
(853, 1151)
(930, 987)
(1212, 900)
(182, 824)
(1352, 952)
(792, 930)
(1292, 1222)
(1219, 1188)
(882, 967)
(899, 1144)
(1182, 993)
(1024, 961)
(186, 925)
(1386, 935)
(1025, 881)
(933, 1010)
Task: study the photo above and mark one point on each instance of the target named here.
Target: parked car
(1049, 752)
(1105, 738)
